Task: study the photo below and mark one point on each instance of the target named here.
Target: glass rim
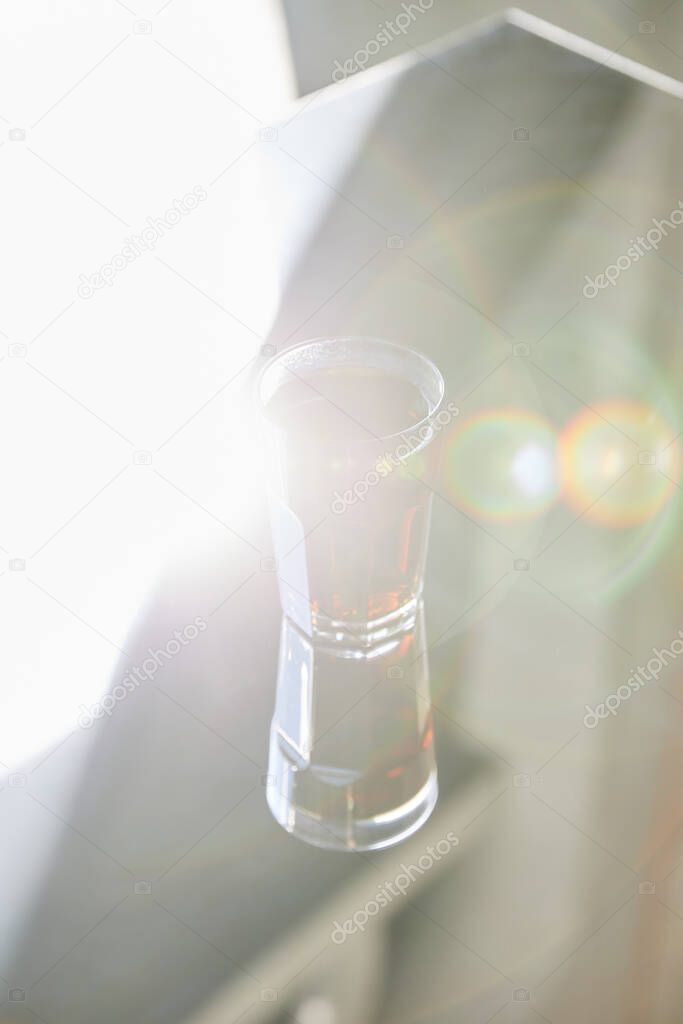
(427, 363)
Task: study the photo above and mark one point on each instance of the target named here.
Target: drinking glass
(351, 426)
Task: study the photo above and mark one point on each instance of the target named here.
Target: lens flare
(618, 463)
(502, 466)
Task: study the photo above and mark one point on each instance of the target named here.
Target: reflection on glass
(351, 758)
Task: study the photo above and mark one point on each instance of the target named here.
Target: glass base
(351, 764)
(342, 833)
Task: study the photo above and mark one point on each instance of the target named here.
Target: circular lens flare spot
(618, 464)
(502, 465)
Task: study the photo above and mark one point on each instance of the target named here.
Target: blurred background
(188, 190)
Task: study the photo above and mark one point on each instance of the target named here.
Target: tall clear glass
(351, 425)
